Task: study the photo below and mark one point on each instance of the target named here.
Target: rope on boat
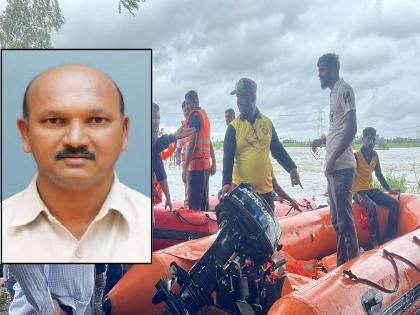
(182, 218)
(408, 262)
(352, 276)
(308, 206)
(208, 218)
(392, 256)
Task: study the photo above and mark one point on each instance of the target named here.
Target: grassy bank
(403, 145)
(400, 181)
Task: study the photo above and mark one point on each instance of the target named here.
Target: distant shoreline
(379, 146)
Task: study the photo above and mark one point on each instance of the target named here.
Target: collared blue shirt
(37, 284)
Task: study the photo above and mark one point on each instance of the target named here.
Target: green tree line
(29, 23)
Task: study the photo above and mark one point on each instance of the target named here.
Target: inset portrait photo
(76, 156)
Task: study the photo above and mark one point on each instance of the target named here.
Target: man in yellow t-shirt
(363, 192)
(249, 140)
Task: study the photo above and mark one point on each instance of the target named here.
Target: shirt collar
(336, 85)
(257, 115)
(116, 201)
(366, 154)
(31, 205)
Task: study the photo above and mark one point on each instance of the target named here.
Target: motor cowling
(233, 265)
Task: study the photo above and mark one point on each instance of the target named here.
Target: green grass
(5, 301)
(394, 181)
(400, 182)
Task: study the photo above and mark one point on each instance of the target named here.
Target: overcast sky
(208, 45)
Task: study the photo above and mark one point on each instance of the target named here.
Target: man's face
(190, 105)
(246, 104)
(75, 130)
(369, 142)
(229, 117)
(155, 120)
(325, 75)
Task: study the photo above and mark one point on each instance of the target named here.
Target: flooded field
(399, 161)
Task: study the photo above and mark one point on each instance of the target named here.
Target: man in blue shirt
(54, 289)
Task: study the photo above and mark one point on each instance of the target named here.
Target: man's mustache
(71, 151)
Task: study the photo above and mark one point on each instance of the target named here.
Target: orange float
(167, 152)
(306, 236)
(181, 225)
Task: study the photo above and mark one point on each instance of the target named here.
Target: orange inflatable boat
(384, 280)
(182, 225)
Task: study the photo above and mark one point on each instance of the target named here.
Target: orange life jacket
(201, 155)
(329, 262)
(307, 268)
(157, 190)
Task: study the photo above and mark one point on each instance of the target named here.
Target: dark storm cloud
(209, 45)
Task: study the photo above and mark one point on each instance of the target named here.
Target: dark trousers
(198, 189)
(339, 191)
(114, 273)
(99, 268)
(67, 309)
(369, 199)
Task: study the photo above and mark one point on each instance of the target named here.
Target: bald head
(71, 79)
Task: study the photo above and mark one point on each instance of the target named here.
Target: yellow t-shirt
(363, 177)
(252, 161)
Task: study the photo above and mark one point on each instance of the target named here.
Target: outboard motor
(238, 265)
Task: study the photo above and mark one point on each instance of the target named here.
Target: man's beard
(324, 83)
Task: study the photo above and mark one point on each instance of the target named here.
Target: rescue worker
(249, 139)
(181, 148)
(229, 116)
(368, 197)
(200, 161)
(339, 157)
(159, 178)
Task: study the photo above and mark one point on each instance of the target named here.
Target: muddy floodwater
(399, 161)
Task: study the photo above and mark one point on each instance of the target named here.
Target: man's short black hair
(183, 104)
(192, 95)
(155, 107)
(230, 111)
(25, 112)
(331, 61)
(369, 131)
